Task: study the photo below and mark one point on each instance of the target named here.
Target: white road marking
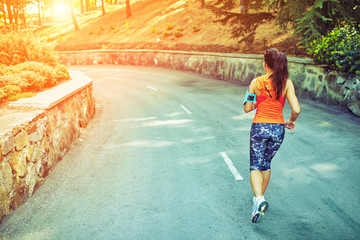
(231, 166)
(185, 109)
(152, 88)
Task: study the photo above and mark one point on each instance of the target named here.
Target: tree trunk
(9, 13)
(87, 5)
(244, 6)
(82, 7)
(73, 16)
(39, 12)
(128, 10)
(103, 7)
(4, 13)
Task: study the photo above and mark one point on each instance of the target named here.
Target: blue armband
(249, 97)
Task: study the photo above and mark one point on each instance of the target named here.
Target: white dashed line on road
(185, 109)
(231, 166)
(152, 88)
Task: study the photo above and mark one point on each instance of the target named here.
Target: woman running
(267, 93)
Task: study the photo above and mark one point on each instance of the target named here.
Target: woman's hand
(290, 124)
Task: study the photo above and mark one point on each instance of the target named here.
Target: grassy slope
(115, 31)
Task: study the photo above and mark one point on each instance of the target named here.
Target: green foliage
(317, 21)
(169, 26)
(245, 23)
(195, 28)
(21, 95)
(179, 29)
(27, 64)
(29, 77)
(166, 34)
(19, 47)
(340, 49)
(178, 34)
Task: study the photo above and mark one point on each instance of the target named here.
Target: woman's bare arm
(294, 104)
(249, 106)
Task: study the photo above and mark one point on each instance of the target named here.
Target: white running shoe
(257, 215)
(263, 205)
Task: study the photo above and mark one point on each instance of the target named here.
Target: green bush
(29, 77)
(178, 34)
(19, 47)
(166, 34)
(27, 64)
(11, 90)
(21, 95)
(195, 28)
(169, 26)
(340, 49)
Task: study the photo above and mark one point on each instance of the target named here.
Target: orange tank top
(269, 110)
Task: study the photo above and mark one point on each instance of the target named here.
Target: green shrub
(31, 81)
(19, 47)
(166, 34)
(44, 70)
(11, 90)
(62, 73)
(195, 28)
(169, 26)
(340, 49)
(21, 95)
(178, 34)
(27, 64)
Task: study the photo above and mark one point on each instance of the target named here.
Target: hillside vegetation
(161, 24)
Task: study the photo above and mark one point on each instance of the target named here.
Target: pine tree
(310, 18)
(244, 24)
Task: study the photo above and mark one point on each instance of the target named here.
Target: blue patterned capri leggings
(265, 141)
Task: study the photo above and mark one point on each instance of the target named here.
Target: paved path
(164, 158)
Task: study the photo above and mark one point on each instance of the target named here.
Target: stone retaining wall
(311, 81)
(35, 134)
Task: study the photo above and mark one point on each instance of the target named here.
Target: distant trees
(103, 7)
(309, 18)
(76, 25)
(243, 23)
(13, 11)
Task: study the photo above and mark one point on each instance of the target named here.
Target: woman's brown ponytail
(277, 62)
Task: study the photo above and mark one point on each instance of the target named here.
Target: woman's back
(269, 109)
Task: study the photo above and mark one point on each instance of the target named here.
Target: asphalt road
(167, 157)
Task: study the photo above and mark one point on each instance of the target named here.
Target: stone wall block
(350, 84)
(30, 179)
(38, 154)
(18, 163)
(29, 152)
(340, 80)
(20, 193)
(6, 177)
(39, 169)
(4, 204)
(16, 130)
(45, 145)
(21, 140)
(33, 137)
(354, 107)
(7, 143)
